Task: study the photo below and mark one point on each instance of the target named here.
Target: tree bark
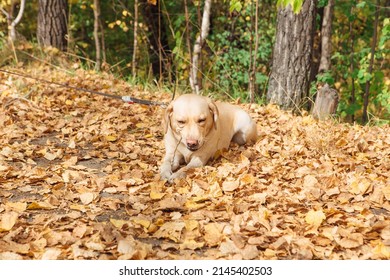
(135, 41)
(96, 13)
(326, 103)
(326, 37)
(52, 23)
(159, 50)
(253, 55)
(292, 56)
(204, 31)
(371, 65)
(12, 34)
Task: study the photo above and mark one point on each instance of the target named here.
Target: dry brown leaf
(229, 186)
(170, 230)
(315, 218)
(353, 240)
(8, 220)
(87, 198)
(213, 234)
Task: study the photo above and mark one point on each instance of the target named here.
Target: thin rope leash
(127, 99)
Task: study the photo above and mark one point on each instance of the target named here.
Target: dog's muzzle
(192, 145)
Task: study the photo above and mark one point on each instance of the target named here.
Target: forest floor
(79, 180)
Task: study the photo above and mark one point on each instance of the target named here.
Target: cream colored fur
(196, 128)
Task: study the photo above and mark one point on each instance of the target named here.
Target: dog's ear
(214, 111)
(167, 117)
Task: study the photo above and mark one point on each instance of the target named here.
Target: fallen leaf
(8, 220)
(229, 186)
(315, 218)
(353, 240)
(86, 198)
(51, 254)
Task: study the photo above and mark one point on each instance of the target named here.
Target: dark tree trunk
(159, 51)
(326, 36)
(366, 95)
(52, 23)
(292, 57)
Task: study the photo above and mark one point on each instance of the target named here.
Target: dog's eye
(181, 122)
(201, 121)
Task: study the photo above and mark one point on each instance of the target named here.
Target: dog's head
(191, 117)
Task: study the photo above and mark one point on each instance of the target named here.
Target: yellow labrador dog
(196, 128)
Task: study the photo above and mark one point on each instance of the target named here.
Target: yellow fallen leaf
(170, 230)
(191, 244)
(126, 247)
(269, 253)
(309, 181)
(386, 192)
(111, 138)
(191, 204)
(191, 225)
(17, 206)
(156, 195)
(118, 223)
(40, 205)
(382, 249)
(353, 240)
(213, 234)
(51, 254)
(315, 218)
(142, 222)
(215, 190)
(50, 156)
(8, 220)
(86, 198)
(78, 207)
(247, 179)
(357, 184)
(229, 186)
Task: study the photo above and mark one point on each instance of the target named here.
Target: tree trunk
(12, 34)
(352, 98)
(292, 56)
(253, 54)
(159, 51)
(204, 31)
(135, 41)
(52, 23)
(326, 36)
(96, 13)
(326, 103)
(371, 65)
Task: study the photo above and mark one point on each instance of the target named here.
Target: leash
(127, 99)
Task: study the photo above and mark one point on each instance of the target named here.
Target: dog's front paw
(177, 175)
(165, 175)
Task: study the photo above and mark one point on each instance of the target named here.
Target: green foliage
(230, 47)
(345, 51)
(295, 4)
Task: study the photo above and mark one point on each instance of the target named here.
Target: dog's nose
(192, 144)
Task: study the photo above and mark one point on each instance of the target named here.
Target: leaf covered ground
(79, 180)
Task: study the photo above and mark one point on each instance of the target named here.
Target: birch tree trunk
(12, 33)
(204, 31)
(292, 56)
